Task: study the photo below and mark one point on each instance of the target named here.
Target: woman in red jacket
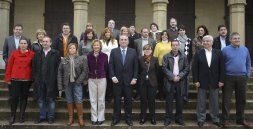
(18, 75)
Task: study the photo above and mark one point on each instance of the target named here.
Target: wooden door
(58, 12)
(249, 27)
(184, 12)
(121, 11)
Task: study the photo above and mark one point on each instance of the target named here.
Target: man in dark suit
(11, 43)
(222, 40)
(123, 68)
(145, 39)
(208, 76)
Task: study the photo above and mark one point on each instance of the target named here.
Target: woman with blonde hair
(36, 45)
(72, 72)
(98, 65)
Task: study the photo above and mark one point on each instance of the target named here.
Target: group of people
(123, 60)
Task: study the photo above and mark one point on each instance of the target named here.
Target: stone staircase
(61, 113)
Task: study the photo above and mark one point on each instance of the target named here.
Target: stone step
(107, 125)
(192, 93)
(61, 103)
(191, 85)
(61, 114)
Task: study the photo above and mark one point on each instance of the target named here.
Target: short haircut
(220, 26)
(154, 25)
(95, 41)
(18, 25)
(144, 28)
(48, 38)
(175, 40)
(147, 46)
(65, 24)
(181, 27)
(40, 31)
(173, 19)
(208, 37)
(233, 34)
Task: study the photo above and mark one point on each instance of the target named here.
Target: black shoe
(244, 123)
(137, 97)
(93, 122)
(200, 124)
(129, 122)
(218, 124)
(21, 120)
(12, 120)
(142, 121)
(186, 100)
(50, 121)
(100, 122)
(180, 122)
(114, 122)
(153, 121)
(167, 122)
(40, 121)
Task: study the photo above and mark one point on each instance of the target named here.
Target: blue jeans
(45, 102)
(74, 93)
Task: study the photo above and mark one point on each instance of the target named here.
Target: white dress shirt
(223, 42)
(208, 56)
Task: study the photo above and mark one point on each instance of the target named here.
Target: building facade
(50, 14)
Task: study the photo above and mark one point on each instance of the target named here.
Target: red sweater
(19, 66)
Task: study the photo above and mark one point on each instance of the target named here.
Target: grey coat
(81, 71)
(168, 64)
(9, 46)
(138, 45)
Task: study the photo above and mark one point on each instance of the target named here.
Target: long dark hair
(87, 31)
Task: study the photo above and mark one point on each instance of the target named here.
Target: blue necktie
(123, 55)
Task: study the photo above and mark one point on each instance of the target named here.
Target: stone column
(160, 13)
(80, 16)
(237, 17)
(5, 19)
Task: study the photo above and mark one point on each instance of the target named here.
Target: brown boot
(79, 108)
(70, 107)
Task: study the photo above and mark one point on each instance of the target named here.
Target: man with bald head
(173, 30)
(123, 69)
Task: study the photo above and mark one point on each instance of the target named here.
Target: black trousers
(237, 84)
(109, 89)
(120, 90)
(174, 91)
(147, 94)
(160, 79)
(19, 92)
